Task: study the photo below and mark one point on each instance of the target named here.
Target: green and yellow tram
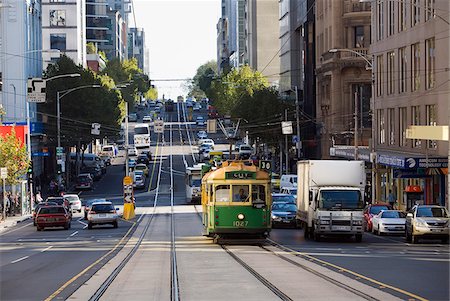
(236, 201)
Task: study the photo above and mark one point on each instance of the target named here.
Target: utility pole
(297, 113)
(286, 143)
(356, 124)
(127, 172)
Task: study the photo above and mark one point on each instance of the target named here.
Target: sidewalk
(11, 221)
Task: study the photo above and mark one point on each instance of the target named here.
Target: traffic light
(30, 171)
(58, 169)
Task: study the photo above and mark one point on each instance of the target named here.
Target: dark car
(95, 171)
(61, 201)
(84, 181)
(148, 154)
(38, 206)
(370, 211)
(284, 214)
(142, 159)
(53, 216)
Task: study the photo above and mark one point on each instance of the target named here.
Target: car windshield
(285, 207)
(83, 178)
(197, 183)
(141, 130)
(431, 212)
(393, 214)
(284, 198)
(71, 198)
(374, 210)
(58, 201)
(102, 208)
(245, 148)
(340, 199)
(140, 167)
(90, 202)
(52, 210)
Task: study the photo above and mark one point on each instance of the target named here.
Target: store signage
(413, 162)
(240, 175)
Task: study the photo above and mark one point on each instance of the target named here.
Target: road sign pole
(3, 176)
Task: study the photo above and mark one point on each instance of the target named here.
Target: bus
(142, 135)
(193, 183)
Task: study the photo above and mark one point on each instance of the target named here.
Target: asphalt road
(35, 265)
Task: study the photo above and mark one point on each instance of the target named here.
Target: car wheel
(66, 226)
(38, 228)
(379, 232)
(358, 237)
(34, 223)
(407, 235)
(89, 225)
(115, 224)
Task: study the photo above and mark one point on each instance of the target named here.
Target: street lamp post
(297, 109)
(15, 101)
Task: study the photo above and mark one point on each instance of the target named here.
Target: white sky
(180, 35)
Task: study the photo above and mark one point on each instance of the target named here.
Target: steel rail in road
(175, 289)
(318, 274)
(183, 109)
(102, 289)
(258, 276)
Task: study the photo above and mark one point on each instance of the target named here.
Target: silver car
(103, 213)
(427, 221)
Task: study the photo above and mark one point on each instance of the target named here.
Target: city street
(77, 263)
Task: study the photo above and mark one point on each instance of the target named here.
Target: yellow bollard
(128, 211)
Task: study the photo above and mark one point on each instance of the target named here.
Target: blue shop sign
(412, 162)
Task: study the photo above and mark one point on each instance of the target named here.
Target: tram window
(223, 193)
(240, 193)
(258, 194)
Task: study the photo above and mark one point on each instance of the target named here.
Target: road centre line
(74, 233)
(341, 269)
(20, 259)
(46, 249)
(59, 290)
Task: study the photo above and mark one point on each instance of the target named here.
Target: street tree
(13, 156)
(151, 94)
(201, 83)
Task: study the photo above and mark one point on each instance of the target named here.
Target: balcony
(353, 6)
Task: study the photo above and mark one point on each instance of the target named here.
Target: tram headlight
(240, 216)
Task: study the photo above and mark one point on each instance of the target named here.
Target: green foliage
(201, 84)
(91, 48)
(152, 94)
(13, 156)
(81, 108)
(227, 91)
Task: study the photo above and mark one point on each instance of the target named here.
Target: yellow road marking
(341, 269)
(59, 290)
(154, 164)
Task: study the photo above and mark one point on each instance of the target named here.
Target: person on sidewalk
(38, 198)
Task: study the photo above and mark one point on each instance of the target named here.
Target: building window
(58, 41)
(430, 49)
(359, 36)
(402, 65)
(391, 18)
(381, 127)
(391, 125)
(415, 67)
(57, 18)
(430, 111)
(429, 9)
(402, 125)
(415, 12)
(379, 75)
(380, 21)
(401, 16)
(390, 72)
(415, 120)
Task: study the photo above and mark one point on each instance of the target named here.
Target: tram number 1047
(240, 223)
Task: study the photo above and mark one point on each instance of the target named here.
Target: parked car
(89, 203)
(283, 198)
(202, 135)
(142, 167)
(245, 151)
(132, 150)
(142, 159)
(147, 118)
(370, 211)
(102, 213)
(284, 213)
(427, 221)
(74, 201)
(94, 171)
(109, 150)
(38, 206)
(133, 117)
(138, 181)
(84, 181)
(52, 216)
(106, 159)
(389, 221)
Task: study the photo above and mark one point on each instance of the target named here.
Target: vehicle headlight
(240, 216)
(357, 222)
(420, 223)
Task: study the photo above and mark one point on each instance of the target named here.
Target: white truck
(193, 183)
(330, 197)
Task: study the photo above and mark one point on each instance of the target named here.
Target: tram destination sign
(240, 175)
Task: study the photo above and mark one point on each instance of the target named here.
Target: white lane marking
(83, 223)
(46, 249)
(74, 233)
(20, 259)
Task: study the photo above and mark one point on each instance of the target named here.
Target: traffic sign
(286, 127)
(128, 198)
(265, 164)
(36, 90)
(158, 126)
(59, 150)
(211, 126)
(3, 173)
(95, 129)
(127, 181)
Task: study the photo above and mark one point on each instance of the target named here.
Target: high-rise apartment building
(136, 46)
(262, 29)
(410, 51)
(64, 29)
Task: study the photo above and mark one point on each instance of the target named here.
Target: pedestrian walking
(391, 198)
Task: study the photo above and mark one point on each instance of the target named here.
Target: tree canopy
(201, 83)
(13, 156)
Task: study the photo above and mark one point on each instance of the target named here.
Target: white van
(288, 181)
(109, 150)
(89, 160)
